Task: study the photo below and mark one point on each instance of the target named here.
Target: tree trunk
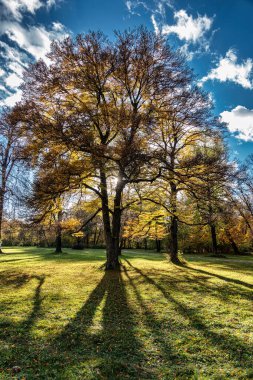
(111, 233)
(214, 240)
(174, 225)
(1, 217)
(158, 245)
(58, 240)
(95, 237)
(174, 240)
(58, 243)
(232, 242)
(98, 236)
(116, 222)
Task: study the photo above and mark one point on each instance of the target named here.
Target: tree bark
(232, 242)
(98, 236)
(58, 240)
(214, 239)
(158, 245)
(1, 219)
(111, 232)
(116, 221)
(88, 240)
(174, 240)
(174, 225)
(2, 193)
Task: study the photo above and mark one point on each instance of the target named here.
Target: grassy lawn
(62, 317)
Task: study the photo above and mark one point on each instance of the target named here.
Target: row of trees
(118, 135)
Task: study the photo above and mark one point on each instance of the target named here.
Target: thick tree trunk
(111, 233)
(214, 240)
(116, 222)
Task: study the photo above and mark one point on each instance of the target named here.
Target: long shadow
(27, 325)
(167, 352)
(18, 336)
(201, 281)
(227, 279)
(109, 350)
(237, 350)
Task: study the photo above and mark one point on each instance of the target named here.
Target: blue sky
(215, 36)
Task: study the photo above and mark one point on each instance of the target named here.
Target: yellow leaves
(78, 234)
(147, 224)
(70, 224)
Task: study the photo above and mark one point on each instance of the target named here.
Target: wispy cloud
(23, 43)
(239, 122)
(16, 8)
(35, 40)
(229, 70)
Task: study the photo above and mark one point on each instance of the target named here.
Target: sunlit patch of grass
(62, 317)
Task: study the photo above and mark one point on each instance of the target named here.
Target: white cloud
(155, 24)
(10, 54)
(50, 3)
(16, 68)
(13, 81)
(228, 69)
(58, 27)
(188, 28)
(129, 5)
(12, 99)
(16, 8)
(29, 43)
(36, 40)
(239, 122)
(4, 89)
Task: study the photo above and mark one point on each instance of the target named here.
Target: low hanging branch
(88, 221)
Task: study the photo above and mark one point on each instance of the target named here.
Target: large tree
(98, 106)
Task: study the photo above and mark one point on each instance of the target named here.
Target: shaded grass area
(63, 318)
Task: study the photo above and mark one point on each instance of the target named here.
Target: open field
(63, 317)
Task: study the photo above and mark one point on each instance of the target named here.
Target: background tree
(10, 156)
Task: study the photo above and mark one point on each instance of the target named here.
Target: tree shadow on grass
(13, 278)
(108, 349)
(170, 359)
(200, 282)
(29, 322)
(220, 277)
(239, 352)
(17, 336)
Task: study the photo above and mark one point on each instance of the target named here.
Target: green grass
(62, 317)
